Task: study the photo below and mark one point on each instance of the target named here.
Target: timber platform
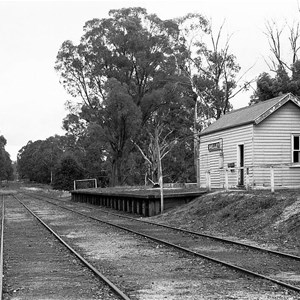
(146, 203)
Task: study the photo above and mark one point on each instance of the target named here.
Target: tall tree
(167, 126)
(145, 58)
(6, 170)
(66, 171)
(119, 120)
(28, 167)
(285, 69)
(209, 70)
(275, 36)
(37, 160)
(132, 47)
(208, 67)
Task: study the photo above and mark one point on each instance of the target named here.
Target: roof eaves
(225, 128)
(295, 100)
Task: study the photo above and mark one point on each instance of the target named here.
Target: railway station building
(253, 145)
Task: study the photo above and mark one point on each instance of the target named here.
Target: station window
(296, 149)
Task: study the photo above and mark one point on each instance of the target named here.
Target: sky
(32, 101)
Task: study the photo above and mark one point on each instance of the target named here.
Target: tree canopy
(6, 169)
(141, 88)
(284, 71)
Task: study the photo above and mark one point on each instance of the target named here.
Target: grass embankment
(260, 216)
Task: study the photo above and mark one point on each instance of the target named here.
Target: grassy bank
(260, 217)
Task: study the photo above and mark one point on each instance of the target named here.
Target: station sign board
(217, 146)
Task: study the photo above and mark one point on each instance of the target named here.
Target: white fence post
(272, 179)
(208, 181)
(247, 179)
(226, 179)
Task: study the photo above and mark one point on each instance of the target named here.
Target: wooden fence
(246, 171)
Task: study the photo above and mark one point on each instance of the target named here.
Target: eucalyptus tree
(119, 120)
(6, 170)
(131, 47)
(208, 67)
(209, 71)
(49, 153)
(167, 134)
(67, 170)
(284, 45)
(28, 164)
(283, 63)
(37, 160)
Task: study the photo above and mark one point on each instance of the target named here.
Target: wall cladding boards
(267, 143)
(230, 140)
(273, 144)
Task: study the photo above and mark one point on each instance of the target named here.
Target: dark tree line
(59, 160)
(6, 169)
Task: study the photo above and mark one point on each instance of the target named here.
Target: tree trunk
(116, 176)
(159, 171)
(51, 176)
(196, 146)
(113, 174)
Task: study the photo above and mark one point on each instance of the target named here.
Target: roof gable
(276, 106)
(254, 114)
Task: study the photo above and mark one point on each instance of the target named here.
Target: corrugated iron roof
(246, 115)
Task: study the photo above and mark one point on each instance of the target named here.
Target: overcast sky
(31, 33)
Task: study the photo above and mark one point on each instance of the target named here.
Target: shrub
(67, 171)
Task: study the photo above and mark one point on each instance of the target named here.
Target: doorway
(241, 164)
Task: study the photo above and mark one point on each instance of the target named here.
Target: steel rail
(220, 239)
(225, 240)
(1, 249)
(73, 251)
(232, 266)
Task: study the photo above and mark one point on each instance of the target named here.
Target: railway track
(40, 264)
(280, 268)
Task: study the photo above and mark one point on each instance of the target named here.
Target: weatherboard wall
(273, 145)
(265, 144)
(213, 162)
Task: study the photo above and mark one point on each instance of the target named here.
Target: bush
(67, 171)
